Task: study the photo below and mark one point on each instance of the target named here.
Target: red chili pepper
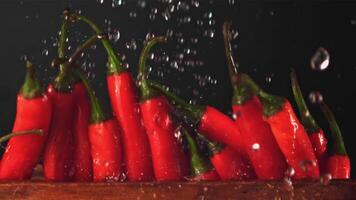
(124, 102)
(260, 144)
(59, 149)
(167, 163)
(316, 134)
(289, 134)
(200, 167)
(82, 156)
(104, 136)
(228, 162)
(34, 110)
(338, 164)
(58, 154)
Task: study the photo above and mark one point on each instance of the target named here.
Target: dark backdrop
(272, 37)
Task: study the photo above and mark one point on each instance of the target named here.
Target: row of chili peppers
(139, 141)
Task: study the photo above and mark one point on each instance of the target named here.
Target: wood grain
(178, 190)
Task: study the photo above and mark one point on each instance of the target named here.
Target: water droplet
(115, 35)
(166, 15)
(255, 147)
(131, 44)
(141, 3)
(307, 165)
(151, 56)
(211, 22)
(195, 3)
(290, 172)
(45, 52)
(149, 36)
(320, 60)
(101, 1)
(234, 33)
(232, 2)
(315, 97)
(209, 33)
(132, 14)
(200, 22)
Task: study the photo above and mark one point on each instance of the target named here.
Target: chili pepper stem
(240, 82)
(228, 52)
(198, 164)
(213, 147)
(306, 118)
(115, 64)
(194, 112)
(18, 133)
(83, 47)
(32, 86)
(97, 113)
(146, 91)
(338, 146)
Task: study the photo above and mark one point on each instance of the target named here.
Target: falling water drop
(320, 60)
(315, 97)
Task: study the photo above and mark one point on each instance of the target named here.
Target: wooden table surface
(178, 190)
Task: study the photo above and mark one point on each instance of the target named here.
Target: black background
(273, 37)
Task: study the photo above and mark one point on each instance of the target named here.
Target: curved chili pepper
(104, 136)
(34, 110)
(166, 152)
(228, 163)
(58, 154)
(338, 164)
(59, 149)
(82, 157)
(211, 122)
(200, 167)
(289, 134)
(124, 102)
(315, 133)
(260, 145)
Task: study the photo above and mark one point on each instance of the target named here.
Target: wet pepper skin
(231, 166)
(23, 152)
(219, 127)
(339, 166)
(294, 143)
(83, 170)
(319, 143)
(106, 150)
(58, 153)
(136, 147)
(164, 146)
(267, 161)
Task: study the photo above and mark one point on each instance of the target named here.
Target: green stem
(146, 91)
(115, 64)
(194, 112)
(83, 48)
(63, 36)
(198, 164)
(272, 104)
(306, 118)
(97, 113)
(212, 146)
(338, 145)
(240, 82)
(228, 52)
(18, 133)
(32, 87)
